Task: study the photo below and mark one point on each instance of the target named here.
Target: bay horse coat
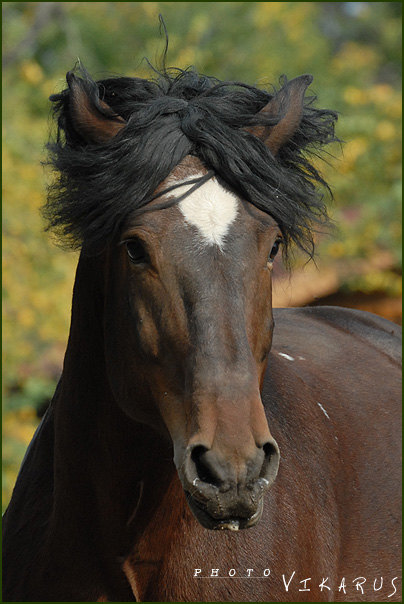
(201, 446)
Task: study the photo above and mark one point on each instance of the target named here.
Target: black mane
(99, 185)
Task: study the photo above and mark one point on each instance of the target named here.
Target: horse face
(190, 321)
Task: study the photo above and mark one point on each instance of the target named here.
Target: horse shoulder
(332, 397)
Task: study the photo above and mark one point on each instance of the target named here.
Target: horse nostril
(270, 465)
(270, 449)
(204, 466)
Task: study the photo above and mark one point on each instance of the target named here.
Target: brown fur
(178, 356)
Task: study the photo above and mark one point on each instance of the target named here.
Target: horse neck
(83, 522)
(99, 450)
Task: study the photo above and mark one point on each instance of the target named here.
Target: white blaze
(210, 208)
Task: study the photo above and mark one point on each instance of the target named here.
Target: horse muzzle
(222, 497)
(239, 513)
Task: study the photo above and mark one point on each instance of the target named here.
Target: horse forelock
(180, 114)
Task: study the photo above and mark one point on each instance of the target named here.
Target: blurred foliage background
(352, 49)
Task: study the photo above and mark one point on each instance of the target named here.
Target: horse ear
(91, 117)
(287, 106)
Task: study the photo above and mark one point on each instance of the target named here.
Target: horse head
(189, 309)
(187, 315)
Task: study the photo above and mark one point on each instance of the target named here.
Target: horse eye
(274, 250)
(136, 251)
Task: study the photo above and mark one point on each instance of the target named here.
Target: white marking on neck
(210, 208)
(323, 410)
(286, 356)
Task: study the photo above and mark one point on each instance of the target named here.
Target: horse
(200, 445)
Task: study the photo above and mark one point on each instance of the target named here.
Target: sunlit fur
(97, 186)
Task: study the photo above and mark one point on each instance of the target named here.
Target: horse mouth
(230, 523)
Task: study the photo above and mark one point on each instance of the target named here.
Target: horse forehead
(211, 209)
